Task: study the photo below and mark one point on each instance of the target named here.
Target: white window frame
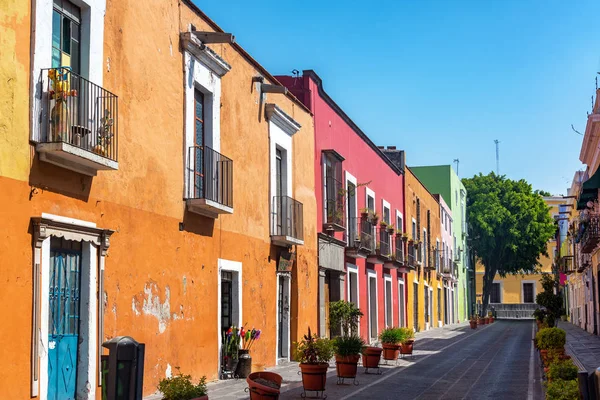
(413, 232)
(401, 307)
(385, 205)
(369, 192)
(351, 179)
(204, 77)
(401, 227)
(281, 129)
(388, 278)
(91, 50)
(353, 269)
(372, 274)
(235, 267)
(523, 282)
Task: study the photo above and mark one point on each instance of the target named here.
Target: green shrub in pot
(551, 338)
(348, 345)
(562, 390)
(563, 370)
(391, 336)
(180, 387)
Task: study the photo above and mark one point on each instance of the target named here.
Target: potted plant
(391, 229)
(231, 346)
(375, 218)
(539, 316)
(564, 370)
(473, 322)
(551, 339)
(486, 320)
(313, 353)
(561, 389)
(180, 387)
(408, 341)
(391, 338)
(264, 385)
(405, 237)
(480, 321)
(344, 315)
(364, 212)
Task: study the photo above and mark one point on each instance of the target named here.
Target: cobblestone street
(494, 361)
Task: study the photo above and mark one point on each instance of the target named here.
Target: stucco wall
(160, 281)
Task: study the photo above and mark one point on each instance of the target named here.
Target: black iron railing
(287, 218)
(412, 254)
(383, 241)
(399, 249)
(212, 176)
(334, 201)
(360, 233)
(80, 113)
(591, 234)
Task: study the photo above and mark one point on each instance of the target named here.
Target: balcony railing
(334, 202)
(211, 181)
(79, 118)
(360, 235)
(287, 227)
(399, 249)
(412, 255)
(591, 234)
(384, 247)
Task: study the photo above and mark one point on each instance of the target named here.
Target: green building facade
(443, 180)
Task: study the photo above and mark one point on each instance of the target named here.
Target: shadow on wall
(197, 224)
(59, 180)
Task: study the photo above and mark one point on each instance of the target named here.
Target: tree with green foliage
(509, 227)
(543, 193)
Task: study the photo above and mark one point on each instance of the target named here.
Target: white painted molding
(280, 118)
(204, 54)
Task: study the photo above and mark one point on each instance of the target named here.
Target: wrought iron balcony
(412, 255)
(383, 248)
(287, 222)
(334, 218)
(210, 183)
(79, 129)
(567, 264)
(591, 234)
(359, 238)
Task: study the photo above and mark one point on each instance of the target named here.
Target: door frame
(401, 307)
(372, 274)
(388, 278)
(94, 244)
(287, 278)
(237, 299)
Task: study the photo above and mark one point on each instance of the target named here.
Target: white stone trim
(279, 138)
(388, 278)
(534, 290)
(399, 215)
(286, 123)
(87, 361)
(352, 179)
(199, 76)
(237, 282)
(401, 322)
(204, 54)
(372, 274)
(287, 288)
(369, 192)
(91, 49)
(353, 269)
(384, 205)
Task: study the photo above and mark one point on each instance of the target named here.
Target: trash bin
(123, 369)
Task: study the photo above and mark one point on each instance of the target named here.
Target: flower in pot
(344, 315)
(180, 387)
(473, 322)
(364, 212)
(391, 338)
(405, 237)
(391, 229)
(313, 353)
(551, 339)
(264, 385)
(408, 341)
(375, 217)
(231, 346)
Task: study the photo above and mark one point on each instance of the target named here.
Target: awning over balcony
(589, 190)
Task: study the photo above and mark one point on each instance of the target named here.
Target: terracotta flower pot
(264, 385)
(407, 346)
(480, 321)
(346, 366)
(314, 376)
(371, 356)
(544, 354)
(473, 324)
(391, 351)
(487, 320)
(205, 397)
(491, 320)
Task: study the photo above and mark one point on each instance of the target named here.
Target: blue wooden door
(63, 329)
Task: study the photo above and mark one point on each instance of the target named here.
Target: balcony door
(198, 144)
(66, 36)
(280, 190)
(351, 207)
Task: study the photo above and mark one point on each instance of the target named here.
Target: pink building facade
(359, 260)
(447, 268)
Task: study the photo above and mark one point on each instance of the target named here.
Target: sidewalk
(582, 346)
(234, 389)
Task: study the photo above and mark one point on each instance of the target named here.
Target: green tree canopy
(543, 193)
(509, 226)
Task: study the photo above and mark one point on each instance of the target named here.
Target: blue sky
(443, 79)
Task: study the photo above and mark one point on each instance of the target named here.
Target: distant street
(496, 361)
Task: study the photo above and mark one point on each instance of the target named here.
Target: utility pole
(497, 157)
(456, 160)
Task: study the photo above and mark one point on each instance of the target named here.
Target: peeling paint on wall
(152, 305)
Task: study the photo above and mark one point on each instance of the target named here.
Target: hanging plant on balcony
(405, 237)
(364, 212)
(391, 229)
(104, 135)
(375, 217)
(59, 116)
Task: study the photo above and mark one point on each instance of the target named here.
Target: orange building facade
(160, 187)
(429, 283)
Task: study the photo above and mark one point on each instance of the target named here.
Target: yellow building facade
(520, 289)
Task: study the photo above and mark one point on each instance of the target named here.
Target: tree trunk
(488, 280)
